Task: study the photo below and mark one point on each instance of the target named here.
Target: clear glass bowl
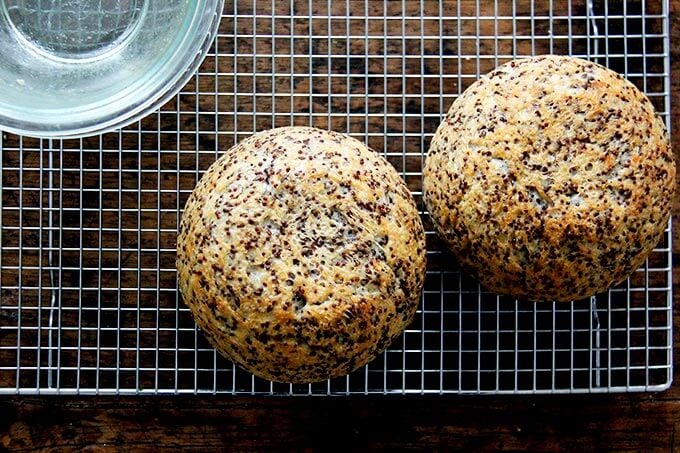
(72, 68)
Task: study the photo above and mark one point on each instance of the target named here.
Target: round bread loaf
(301, 254)
(551, 178)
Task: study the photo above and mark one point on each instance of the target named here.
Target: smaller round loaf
(301, 254)
(551, 178)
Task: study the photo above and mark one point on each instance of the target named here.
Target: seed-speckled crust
(301, 254)
(551, 178)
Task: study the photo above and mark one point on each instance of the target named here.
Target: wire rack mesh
(88, 298)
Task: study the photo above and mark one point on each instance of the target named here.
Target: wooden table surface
(637, 422)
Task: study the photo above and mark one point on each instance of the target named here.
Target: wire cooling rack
(88, 298)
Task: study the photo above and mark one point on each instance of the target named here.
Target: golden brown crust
(301, 254)
(551, 178)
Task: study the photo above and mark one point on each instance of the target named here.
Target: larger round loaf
(301, 254)
(551, 178)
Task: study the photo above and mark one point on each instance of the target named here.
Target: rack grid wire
(88, 298)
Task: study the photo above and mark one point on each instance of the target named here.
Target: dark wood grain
(638, 422)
